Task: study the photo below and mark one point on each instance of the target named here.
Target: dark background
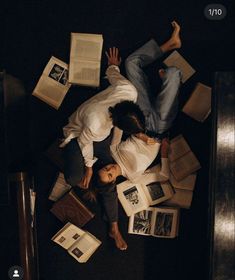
(35, 30)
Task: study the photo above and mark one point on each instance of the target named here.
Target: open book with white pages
(80, 244)
(85, 59)
(135, 197)
(53, 84)
(155, 221)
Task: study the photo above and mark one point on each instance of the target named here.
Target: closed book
(71, 209)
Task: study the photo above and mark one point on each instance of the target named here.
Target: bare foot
(175, 40)
(119, 241)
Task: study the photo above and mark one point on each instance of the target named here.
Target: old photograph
(163, 224)
(77, 252)
(142, 222)
(155, 190)
(56, 72)
(133, 198)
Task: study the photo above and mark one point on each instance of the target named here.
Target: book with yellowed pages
(181, 198)
(79, 244)
(188, 183)
(85, 59)
(183, 162)
(53, 84)
(198, 105)
(177, 60)
(160, 222)
(136, 197)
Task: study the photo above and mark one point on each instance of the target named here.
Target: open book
(177, 60)
(137, 197)
(158, 222)
(85, 58)
(71, 209)
(80, 244)
(53, 85)
(59, 188)
(198, 106)
(183, 162)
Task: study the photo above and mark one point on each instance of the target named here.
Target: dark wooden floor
(36, 30)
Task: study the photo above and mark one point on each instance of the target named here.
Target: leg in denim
(160, 113)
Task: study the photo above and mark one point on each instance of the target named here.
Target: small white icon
(16, 274)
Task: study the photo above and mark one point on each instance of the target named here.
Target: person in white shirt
(133, 156)
(93, 121)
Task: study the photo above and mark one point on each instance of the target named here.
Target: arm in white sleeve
(114, 76)
(85, 141)
(117, 136)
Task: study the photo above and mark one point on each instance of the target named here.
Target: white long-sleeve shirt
(134, 156)
(91, 121)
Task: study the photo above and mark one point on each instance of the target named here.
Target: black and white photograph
(155, 190)
(163, 224)
(62, 239)
(56, 72)
(133, 197)
(142, 222)
(76, 236)
(77, 252)
(64, 78)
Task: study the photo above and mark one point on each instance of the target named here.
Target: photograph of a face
(163, 224)
(142, 222)
(155, 190)
(133, 198)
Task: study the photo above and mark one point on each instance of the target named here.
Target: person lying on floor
(92, 122)
(133, 156)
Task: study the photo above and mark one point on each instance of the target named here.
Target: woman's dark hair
(128, 116)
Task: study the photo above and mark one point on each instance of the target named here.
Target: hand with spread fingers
(113, 56)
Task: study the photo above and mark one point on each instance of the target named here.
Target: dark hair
(128, 116)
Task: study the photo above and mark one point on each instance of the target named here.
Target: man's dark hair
(128, 116)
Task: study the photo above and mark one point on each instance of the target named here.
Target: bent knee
(131, 62)
(173, 72)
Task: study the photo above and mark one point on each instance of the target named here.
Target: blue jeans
(160, 109)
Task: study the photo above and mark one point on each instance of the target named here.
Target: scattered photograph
(163, 224)
(132, 196)
(64, 77)
(56, 72)
(62, 239)
(155, 190)
(76, 236)
(77, 252)
(142, 222)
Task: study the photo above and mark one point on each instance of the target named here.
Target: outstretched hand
(113, 56)
(84, 183)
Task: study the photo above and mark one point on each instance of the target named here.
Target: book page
(188, 183)
(157, 192)
(53, 84)
(86, 46)
(181, 198)
(198, 106)
(132, 197)
(68, 235)
(140, 223)
(184, 166)
(84, 247)
(175, 59)
(165, 225)
(84, 73)
(178, 147)
(60, 188)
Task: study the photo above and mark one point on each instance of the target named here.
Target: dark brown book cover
(71, 209)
